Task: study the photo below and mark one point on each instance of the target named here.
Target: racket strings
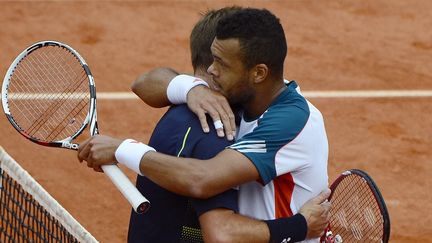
(39, 121)
(60, 125)
(52, 109)
(20, 75)
(354, 210)
(63, 97)
(356, 216)
(48, 94)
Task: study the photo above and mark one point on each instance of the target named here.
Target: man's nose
(211, 70)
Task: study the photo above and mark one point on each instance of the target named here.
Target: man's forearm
(151, 87)
(184, 178)
(222, 225)
(198, 178)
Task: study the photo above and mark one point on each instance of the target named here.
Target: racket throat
(69, 145)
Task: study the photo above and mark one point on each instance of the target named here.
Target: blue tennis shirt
(174, 218)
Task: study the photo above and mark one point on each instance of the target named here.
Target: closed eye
(219, 61)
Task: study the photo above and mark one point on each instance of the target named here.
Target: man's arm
(199, 178)
(185, 176)
(223, 225)
(151, 86)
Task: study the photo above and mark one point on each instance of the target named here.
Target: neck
(263, 98)
(202, 74)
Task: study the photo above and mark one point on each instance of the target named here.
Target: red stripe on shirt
(284, 187)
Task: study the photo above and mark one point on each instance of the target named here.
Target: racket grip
(139, 203)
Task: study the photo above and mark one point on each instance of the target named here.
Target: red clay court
(361, 46)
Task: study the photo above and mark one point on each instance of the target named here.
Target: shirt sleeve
(227, 200)
(276, 129)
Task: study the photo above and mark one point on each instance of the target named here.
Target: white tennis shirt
(288, 145)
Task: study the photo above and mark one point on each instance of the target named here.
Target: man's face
(230, 76)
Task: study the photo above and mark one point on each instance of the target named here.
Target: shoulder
(179, 112)
(178, 118)
(287, 115)
(181, 126)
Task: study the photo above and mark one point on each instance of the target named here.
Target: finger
(224, 116)
(89, 164)
(84, 150)
(97, 169)
(227, 126)
(322, 197)
(84, 144)
(214, 114)
(218, 124)
(326, 206)
(231, 129)
(322, 210)
(203, 120)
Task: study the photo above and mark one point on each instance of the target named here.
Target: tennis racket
(49, 97)
(358, 212)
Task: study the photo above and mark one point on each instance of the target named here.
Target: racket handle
(139, 203)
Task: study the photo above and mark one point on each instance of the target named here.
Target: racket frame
(139, 203)
(91, 115)
(376, 193)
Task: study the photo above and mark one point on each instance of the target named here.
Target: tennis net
(28, 213)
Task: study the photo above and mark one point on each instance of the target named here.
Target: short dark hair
(261, 37)
(203, 34)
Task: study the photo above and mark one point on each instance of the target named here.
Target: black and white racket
(358, 212)
(49, 96)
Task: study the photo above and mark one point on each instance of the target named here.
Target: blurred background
(349, 45)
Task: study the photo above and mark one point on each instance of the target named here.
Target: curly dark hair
(261, 37)
(203, 34)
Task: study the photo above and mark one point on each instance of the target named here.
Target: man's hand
(202, 100)
(316, 212)
(98, 150)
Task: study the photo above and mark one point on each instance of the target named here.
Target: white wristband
(179, 87)
(130, 152)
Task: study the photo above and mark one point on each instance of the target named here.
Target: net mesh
(28, 213)
(48, 94)
(355, 213)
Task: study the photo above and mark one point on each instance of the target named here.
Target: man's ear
(260, 73)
